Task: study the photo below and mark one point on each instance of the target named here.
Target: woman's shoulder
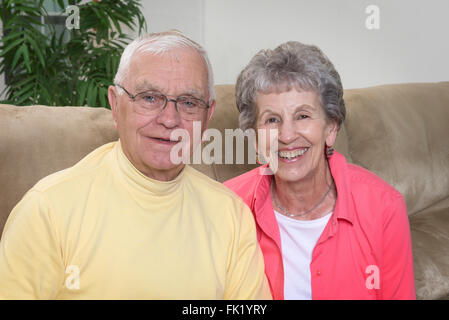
(362, 179)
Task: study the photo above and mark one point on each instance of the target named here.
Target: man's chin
(164, 171)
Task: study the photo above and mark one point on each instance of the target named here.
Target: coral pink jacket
(365, 250)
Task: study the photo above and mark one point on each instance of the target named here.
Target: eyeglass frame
(167, 99)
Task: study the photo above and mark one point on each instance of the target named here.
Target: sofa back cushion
(226, 116)
(401, 133)
(36, 141)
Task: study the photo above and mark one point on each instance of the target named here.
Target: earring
(260, 159)
(330, 151)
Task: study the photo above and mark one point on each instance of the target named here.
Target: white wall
(184, 15)
(411, 45)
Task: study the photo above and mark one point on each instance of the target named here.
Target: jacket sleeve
(246, 278)
(31, 265)
(397, 276)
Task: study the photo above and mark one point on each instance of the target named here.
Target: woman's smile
(291, 155)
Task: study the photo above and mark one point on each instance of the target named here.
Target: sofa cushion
(430, 242)
(401, 133)
(38, 140)
(225, 117)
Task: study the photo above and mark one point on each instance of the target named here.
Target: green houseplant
(72, 65)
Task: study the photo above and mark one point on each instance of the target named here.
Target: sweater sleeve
(31, 264)
(246, 271)
(397, 276)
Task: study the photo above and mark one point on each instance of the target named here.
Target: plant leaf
(12, 46)
(17, 56)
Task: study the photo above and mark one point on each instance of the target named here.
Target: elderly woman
(328, 229)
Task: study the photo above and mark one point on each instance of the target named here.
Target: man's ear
(113, 101)
(210, 112)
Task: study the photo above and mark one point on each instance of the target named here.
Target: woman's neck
(301, 196)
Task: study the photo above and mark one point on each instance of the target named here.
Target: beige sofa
(400, 132)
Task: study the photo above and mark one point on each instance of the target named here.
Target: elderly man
(126, 222)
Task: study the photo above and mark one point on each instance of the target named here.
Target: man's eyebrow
(145, 86)
(192, 92)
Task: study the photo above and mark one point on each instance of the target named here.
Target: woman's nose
(287, 132)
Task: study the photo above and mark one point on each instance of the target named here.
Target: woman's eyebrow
(297, 109)
(267, 111)
(304, 107)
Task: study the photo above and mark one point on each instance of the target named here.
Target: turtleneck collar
(143, 184)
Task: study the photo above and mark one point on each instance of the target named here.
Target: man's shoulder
(209, 185)
(214, 193)
(84, 170)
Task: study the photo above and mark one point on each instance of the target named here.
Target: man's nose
(169, 116)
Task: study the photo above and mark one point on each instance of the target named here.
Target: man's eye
(150, 98)
(188, 103)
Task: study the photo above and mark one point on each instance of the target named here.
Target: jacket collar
(344, 207)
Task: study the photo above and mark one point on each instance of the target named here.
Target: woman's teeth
(292, 154)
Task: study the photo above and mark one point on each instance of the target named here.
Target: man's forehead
(173, 55)
(158, 72)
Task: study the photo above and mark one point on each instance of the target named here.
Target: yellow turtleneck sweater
(103, 230)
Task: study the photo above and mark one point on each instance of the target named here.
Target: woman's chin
(289, 173)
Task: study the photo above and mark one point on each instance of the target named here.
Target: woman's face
(302, 133)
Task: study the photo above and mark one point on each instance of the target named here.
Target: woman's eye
(303, 116)
(271, 120)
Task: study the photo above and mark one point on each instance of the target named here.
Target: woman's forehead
(285, 86)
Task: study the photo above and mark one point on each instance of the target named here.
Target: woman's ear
(331, 133)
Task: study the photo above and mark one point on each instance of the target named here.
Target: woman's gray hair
(160, 43)
(290, 65)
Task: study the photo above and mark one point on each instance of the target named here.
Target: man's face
(145, 139)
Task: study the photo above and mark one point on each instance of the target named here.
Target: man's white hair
(160, 43)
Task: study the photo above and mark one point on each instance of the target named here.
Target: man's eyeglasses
(152, 102)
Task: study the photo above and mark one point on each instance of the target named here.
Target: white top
(298, 238)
